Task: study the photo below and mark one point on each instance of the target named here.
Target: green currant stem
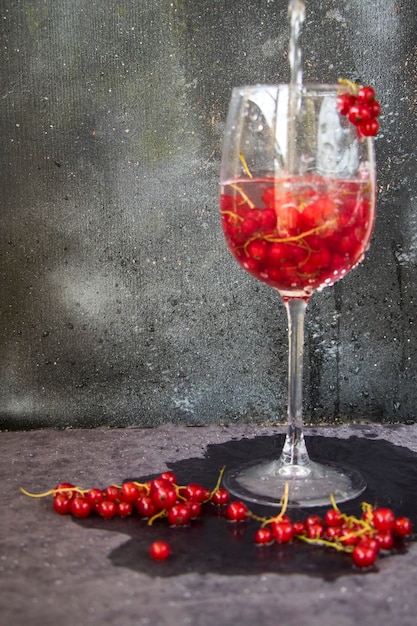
(294, 459)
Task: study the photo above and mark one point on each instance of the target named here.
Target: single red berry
(164, 497)
(366, 94)
(170, 477)
(112, 493)
(66, 489)
(402, 527)
(348, 536)
(358, 114)
(257, 249)
(315, 531)
(333, 532)
(61, 504)
(80, 507)
(375, 108)
(94, 496)
(236, 511)
(263, 536)
(194, 491)
(124, 508)
(313, 519)
(299, 527)
(282, 531)
(130, 492)
(160, 550)
(344, 102)
(333, 517)
(385, 540)
(383, 519)
(179, 514)
(364, 554)
(221, 496)
(156, 483)
(146, 507)
(369, 128)
(195, 508)
(107, 509)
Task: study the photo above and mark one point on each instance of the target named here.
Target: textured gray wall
(120, 303)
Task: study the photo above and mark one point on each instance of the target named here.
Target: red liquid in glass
(297, 234)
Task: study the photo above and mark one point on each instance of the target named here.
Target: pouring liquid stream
(296, 13)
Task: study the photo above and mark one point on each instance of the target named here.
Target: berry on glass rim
(360, 106)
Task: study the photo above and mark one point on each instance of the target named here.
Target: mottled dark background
(119, 302)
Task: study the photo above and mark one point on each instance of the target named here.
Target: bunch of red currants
(360, 106)
(376, 530)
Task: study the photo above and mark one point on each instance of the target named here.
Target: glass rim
(305, 88)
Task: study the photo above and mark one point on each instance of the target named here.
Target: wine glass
(297, 202)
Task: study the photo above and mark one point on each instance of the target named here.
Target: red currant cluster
(157, 498)
(360, 106)
(376, 530)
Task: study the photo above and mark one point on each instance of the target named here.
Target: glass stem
(294, 459)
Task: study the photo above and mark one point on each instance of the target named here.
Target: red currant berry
(221, 496)
(194, 491)
(263, 536)
(195, 508)
(385, 540)
(315, 531)
(146, 507)
(179, 514)
(107, 509)
(257, 249)
(282, 531)
(61, 504)
(124, 508)
(366, 94)
(344, 102)
(299, 528)
(80, 507)
(375, 108)
(313, 519)
(155, 484)
(333, 517)
(66, 489)
(348, 537)
(333, 532)
(402, 527)
(369, 128)
(164, 497)
(383, 519)
(170, 477)
(358, 114)
(160, 550)
(112, 493)
(94, 496)
(130, 492)
(364, 554)
(236, 511)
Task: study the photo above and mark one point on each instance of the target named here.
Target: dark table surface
(58, 570)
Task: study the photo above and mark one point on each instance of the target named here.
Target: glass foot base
(263, 482)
